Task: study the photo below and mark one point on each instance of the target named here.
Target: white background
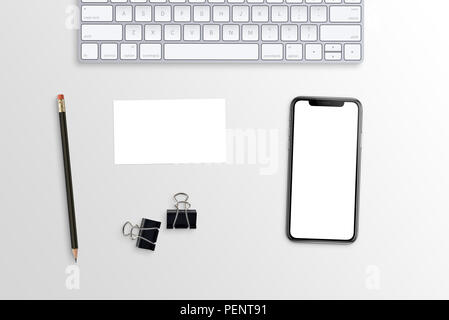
(240, 249)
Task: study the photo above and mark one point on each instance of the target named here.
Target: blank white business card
(170, 131)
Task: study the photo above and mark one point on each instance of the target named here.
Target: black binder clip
(146, 235)
(181, 217)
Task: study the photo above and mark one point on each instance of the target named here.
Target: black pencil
(68, 175)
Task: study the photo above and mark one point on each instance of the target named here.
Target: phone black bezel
(323, 101)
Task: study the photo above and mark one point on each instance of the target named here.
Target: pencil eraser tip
(60, 97)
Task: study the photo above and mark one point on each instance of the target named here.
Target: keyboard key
(333, 47)
(153, 32)
(172, 32)
(272, 51)
(128, 51)
(221, 14)
(289, 32)
(133, 32)
(162, 13)
(332, 56)
(217, 51)
(240, 13)
(100, 32)
(353, 52)
(318, 14)
(201, 13)
(299, 13)
(231, 32)
(341, 33)
(109, 51)
(309, 32)
(270, 32)
(250, 32)
(314, 52)
(143, 13)
(182, 13)
(293, 52)
(279, 14)
(150, 51)
(124, 13)
(192, 32)
(89, 51)
(211, 32)
(345, 14)
(96, 13)
(260, 13)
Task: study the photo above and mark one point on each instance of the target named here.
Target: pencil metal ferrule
(61, 105)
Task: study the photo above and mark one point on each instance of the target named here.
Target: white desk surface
(240, 250)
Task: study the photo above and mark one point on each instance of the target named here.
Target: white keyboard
(283, 31)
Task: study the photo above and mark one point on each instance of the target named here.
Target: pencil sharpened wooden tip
(75, 255)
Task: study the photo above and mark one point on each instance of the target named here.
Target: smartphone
(324, 169)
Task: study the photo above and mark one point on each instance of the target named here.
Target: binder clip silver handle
(181, 194)
(187, 206)
(132, 229)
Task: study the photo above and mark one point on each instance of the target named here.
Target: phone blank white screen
(324, 172)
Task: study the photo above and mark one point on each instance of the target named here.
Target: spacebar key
(216, 51)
